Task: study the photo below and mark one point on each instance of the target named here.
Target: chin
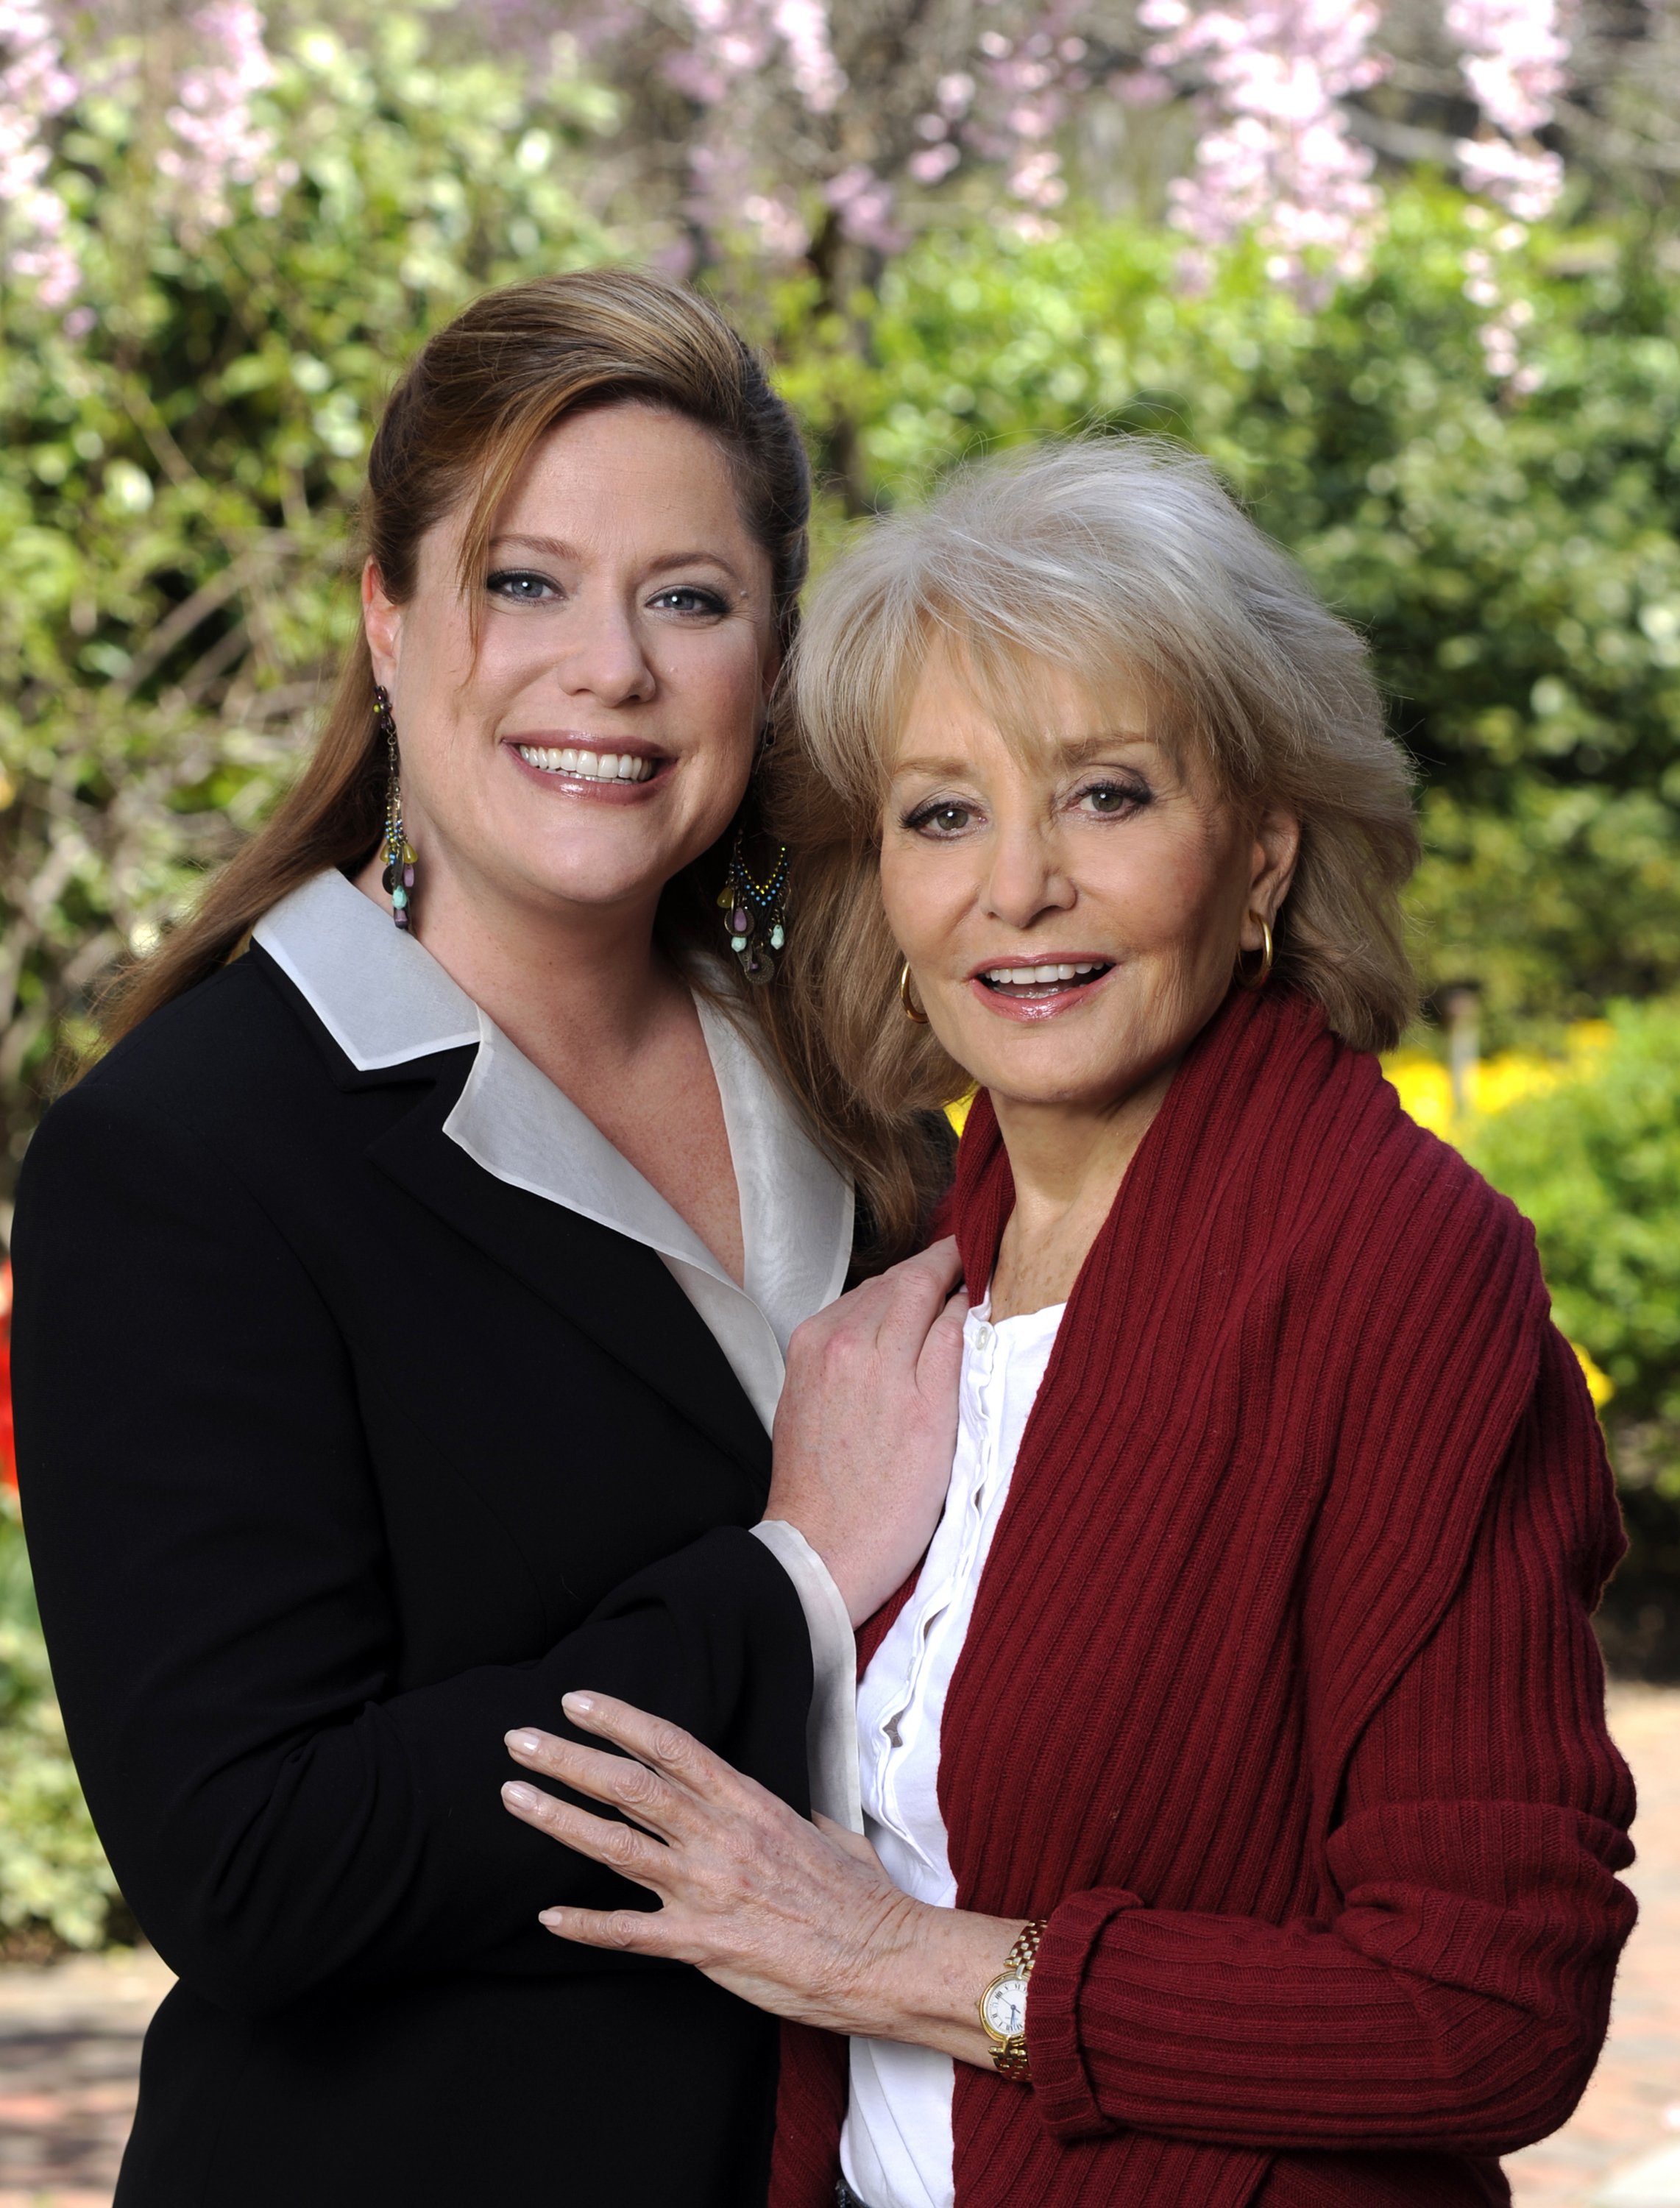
(1036, 1084)
(601, 868)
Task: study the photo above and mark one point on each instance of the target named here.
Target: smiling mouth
(1038, 984)
(589, 765)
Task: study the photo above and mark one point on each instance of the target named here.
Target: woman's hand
(866, 1426)
(799, 1919)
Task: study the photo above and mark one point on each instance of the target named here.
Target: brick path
(1630, 2113)
(70, 2039)
(69, 2050)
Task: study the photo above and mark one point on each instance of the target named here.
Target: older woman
(1240, 1819)
(400, 1311)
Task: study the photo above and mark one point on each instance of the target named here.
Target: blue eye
(520, 586)
(688, 598)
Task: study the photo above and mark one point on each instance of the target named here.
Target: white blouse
(385, 999)
(896, 2149)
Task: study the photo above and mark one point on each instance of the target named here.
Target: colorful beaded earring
(756, 923)
(399, 860)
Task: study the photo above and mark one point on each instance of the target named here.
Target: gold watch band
(1009, 2057)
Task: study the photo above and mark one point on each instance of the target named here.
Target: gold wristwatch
(1003, 2005)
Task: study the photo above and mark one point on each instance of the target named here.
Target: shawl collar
(1278, 1163)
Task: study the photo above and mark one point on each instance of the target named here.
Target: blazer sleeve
(212, 1574)
(1458, 1993)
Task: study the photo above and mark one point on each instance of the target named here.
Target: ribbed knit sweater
(1280, 1699)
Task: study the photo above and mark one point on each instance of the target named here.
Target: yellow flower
(1493, 1085)
(1599, 1385)
(958, 1112)
(1426, 1088)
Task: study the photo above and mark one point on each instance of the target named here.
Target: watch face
(1004, 2008)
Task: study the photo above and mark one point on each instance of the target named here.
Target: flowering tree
(812, 136)
(1276, 157)
(35, 88)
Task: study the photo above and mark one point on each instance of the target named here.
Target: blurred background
(1409, 273)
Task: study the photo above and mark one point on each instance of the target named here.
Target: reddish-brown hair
(457, 428)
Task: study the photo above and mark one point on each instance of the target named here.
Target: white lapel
(384, 999)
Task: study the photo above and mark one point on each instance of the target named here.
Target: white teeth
(586, 765)
(1031, 977)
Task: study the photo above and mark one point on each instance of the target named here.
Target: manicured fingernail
(518, 1796)
(551, 1917)
(578, 1706)
(524, 1743)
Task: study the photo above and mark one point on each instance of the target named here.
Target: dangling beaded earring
(399, 875)
(757, 925)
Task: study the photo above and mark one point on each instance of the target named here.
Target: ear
(382, 620)
(1276, 847)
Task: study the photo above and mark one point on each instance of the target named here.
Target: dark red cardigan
(1279, 1698)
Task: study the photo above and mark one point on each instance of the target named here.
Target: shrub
(1594, 1162)
(53, 1874)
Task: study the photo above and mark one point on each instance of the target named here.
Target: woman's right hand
(866, 1426)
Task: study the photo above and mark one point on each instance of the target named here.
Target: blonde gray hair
(1115, 561)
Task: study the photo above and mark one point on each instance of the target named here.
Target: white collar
(385, 1000)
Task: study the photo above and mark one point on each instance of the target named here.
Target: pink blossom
(864, 203)
(780, 231)
(35, 87)
(736, 38)
(1514, 55)
(1526, 180)
(1037, 181)
(1021, 92)
(1278, 158)
(732, 44)
(1140, 88)
(1513, 62)
(219, 143)
(818, 78)
(934, 163)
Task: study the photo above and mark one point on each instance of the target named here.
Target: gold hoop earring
(904, 998)
(1262, 972)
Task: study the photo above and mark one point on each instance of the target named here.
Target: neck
(565, 983)
(1067, 1163)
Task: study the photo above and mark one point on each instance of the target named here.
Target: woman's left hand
(798, 1918)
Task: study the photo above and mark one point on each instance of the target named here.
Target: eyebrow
(1075, 751)
(557, 548)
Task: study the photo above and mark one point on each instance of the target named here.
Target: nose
(1026, 878)
(605, 657)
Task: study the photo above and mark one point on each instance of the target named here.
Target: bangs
(1043, 701)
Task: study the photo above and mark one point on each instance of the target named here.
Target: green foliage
(1595, 1163)
(53, 1874)
(177, 480)
(1514, 558)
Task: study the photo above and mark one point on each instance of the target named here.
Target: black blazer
(339, 1458)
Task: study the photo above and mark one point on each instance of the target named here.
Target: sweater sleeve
(214, 1579)
(1456, 1995)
